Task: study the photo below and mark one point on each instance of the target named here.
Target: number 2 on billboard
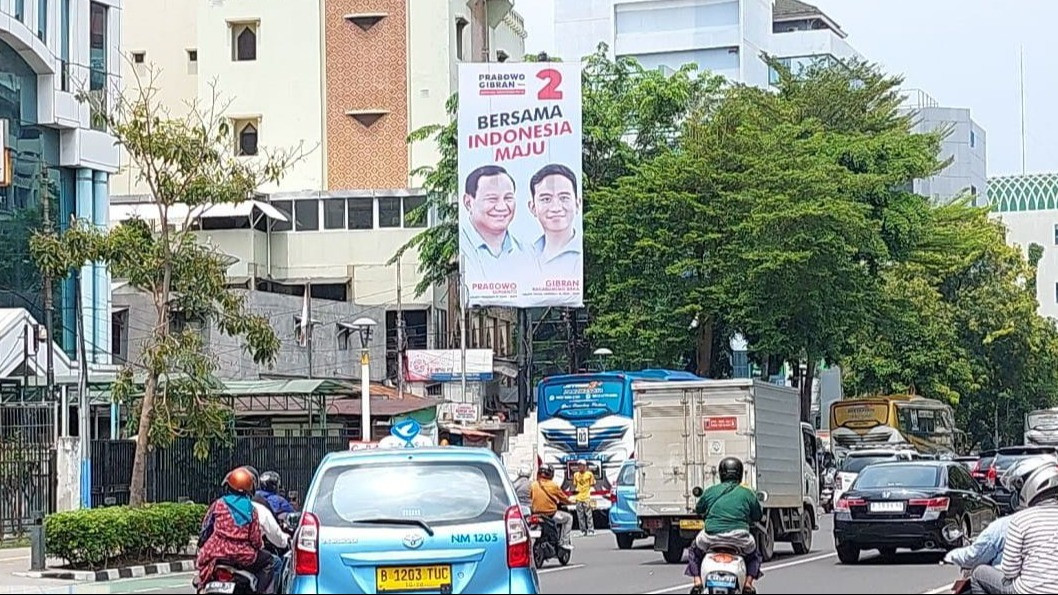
(550, 91)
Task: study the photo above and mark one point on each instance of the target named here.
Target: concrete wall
(236, 364)
(68, 474)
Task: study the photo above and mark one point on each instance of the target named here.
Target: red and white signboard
(727, 423)
(358, 445)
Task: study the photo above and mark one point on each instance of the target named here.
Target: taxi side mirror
(697, 492)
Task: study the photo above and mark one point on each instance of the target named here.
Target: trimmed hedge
(100, 537)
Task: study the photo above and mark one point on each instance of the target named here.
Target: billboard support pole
(525, 338)
(462, 334)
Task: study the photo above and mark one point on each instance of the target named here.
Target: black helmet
(270, 481)
(731, 469)
(547, 471)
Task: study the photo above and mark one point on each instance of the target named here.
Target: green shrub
(94, 538)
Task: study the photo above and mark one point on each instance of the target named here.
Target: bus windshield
(584, 399)
(859, 415)
(1043, 420)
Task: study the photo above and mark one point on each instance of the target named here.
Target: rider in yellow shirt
(583, 482)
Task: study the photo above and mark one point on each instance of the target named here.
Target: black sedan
(910, 504)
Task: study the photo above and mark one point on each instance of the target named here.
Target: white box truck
(683, 431)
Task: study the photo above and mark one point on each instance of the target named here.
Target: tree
(188, 161)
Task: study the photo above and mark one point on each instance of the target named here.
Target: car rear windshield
(1006, 460)
(899, 476)
(438, 493)
(856, 464)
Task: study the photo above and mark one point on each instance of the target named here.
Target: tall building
(729, 37)
(964, 145)
(50, 51)
(1028, 206)
(347, 80)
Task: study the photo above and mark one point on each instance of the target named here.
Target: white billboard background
(522, 117)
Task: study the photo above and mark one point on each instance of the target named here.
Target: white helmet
(581, 462)
(524, 471)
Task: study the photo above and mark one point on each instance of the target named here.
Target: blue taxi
(411, 520)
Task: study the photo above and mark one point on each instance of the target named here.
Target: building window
(287, 208)
(361, 213)
(20, 10)
(139, 57)
(64, 44)
(192, 55)
(244, 42)
(973, 139)
(1056, 292)
(97, 55)
(411, 218)
(334, 213)
(42, 20)
(246, 138)
(461, 25)
(307, 215)
(1056, 234)
(389, 212)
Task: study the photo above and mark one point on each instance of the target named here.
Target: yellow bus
(926, 424)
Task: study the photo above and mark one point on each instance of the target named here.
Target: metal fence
(28, 484)
(175, 474)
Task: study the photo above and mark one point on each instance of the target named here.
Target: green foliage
(99, 537)
(187, 160)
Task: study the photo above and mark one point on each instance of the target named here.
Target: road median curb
(112, 574)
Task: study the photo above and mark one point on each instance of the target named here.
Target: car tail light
(612, 496)
(992, 476)
(306, 546)
(845, 503)
(519, 554)
(223, 575)
(931, 504)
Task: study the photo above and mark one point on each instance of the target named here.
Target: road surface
(599, 567)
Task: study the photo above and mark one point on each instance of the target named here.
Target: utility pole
(49, 301)
(400, 336)
(306, 325)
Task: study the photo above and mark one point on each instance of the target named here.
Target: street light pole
(365, 326)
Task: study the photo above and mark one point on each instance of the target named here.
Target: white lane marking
(14, 558)
(765, 567)
(944, 589)
(560, 568)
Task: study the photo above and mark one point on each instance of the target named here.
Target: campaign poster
(521, 206)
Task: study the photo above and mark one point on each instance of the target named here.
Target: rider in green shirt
(730, 510)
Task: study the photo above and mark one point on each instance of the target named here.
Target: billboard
(520, 202)
(444, 365)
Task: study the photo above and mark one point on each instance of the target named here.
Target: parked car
(914, 505)
(1004, 459)
(412, 519)
(624, 521)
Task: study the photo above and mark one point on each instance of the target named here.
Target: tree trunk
(705, 348)
(806, 390)
(138, 482)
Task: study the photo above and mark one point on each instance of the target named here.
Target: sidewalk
(17, 560)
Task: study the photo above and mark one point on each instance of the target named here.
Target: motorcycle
(723, 568)
(229, 580)
(826, 496)
(545, 536)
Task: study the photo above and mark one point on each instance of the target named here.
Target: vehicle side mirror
(762, 496)
(292, 519)
(697, 492)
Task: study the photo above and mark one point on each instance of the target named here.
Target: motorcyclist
(1029, 562)
(730, 511)
(545, 498)
(987, 549)
(269, 490)
(522, 486)
(231, 532)
(271, 525)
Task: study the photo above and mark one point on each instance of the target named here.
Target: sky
(964, 53)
